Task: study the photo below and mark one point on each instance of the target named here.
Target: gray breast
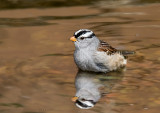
(84, 60)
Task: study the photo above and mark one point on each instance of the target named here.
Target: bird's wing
(103, 46)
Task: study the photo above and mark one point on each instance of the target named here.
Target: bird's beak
(74, 99)
(73, 39)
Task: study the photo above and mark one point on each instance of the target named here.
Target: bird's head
(84, 38)
(83, 103)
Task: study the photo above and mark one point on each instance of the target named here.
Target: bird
(91, 86)
(93, 54)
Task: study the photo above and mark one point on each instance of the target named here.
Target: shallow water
(37, 71)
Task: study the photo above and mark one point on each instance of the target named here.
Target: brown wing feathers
(110, 50)
(106, 48)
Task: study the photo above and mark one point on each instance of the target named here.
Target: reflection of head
(88, 85)
(84, 104)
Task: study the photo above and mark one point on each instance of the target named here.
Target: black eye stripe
(91, 35)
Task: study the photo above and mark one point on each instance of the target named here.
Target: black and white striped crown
(85, 104)
(84, 33)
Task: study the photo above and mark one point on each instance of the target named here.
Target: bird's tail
(125, 52)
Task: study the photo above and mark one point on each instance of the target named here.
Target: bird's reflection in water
(90, 87)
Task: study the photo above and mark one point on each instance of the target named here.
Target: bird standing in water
(92, 54)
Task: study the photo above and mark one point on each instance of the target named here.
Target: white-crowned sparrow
(91, 86)
(92, 54)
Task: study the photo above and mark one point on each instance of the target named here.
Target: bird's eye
(83, 99)
(82, 38)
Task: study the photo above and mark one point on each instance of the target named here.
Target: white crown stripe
(86, 34)
(81, 31)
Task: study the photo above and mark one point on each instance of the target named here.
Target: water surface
(37, 71)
